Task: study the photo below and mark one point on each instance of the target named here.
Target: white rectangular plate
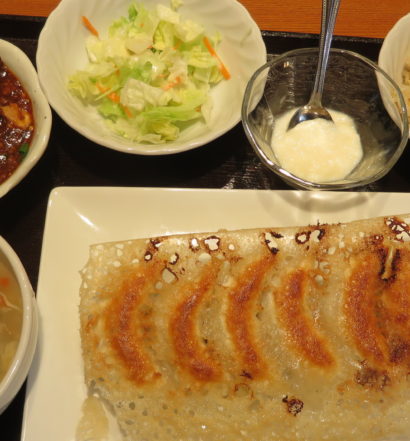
(79, 217)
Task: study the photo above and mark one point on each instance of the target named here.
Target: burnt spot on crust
(147, 256)
(317, 234)
(401, 230)
(277, 235)
(270, 241)
(212, 243)
(396, 260)
(155, 242)
(375, 239)
(153, 246)
(194, 244)
(385, 269)
(302, 237)
(174, 259)
(293, 405)
(399, 349)
(371, 378)
(246, 374)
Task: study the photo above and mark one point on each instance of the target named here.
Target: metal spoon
(314, 108)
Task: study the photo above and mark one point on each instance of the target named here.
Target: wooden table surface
(370, 18)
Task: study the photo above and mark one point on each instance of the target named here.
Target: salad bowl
(394, 58)
(77, 29)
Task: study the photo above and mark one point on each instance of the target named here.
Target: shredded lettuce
(151, 75)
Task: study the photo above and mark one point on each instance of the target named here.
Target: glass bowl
(352, 86)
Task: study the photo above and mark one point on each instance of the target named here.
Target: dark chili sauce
(16, 122)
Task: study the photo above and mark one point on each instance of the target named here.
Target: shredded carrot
(222, 67)
(115, 98)
(101, 88)
(89, 26)
(172, 84)
(127, 111)
(209, 46)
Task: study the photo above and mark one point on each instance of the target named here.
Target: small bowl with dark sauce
(25, 117)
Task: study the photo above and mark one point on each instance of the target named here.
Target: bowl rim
(403, 21)
(20, 365)
(20, 64)
(294, 180)
(173, 147)
(395, 46)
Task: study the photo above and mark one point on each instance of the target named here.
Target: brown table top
(371, 18)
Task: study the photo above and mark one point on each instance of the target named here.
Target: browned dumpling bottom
(266, 334)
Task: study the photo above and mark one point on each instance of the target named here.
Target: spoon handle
(330, 9)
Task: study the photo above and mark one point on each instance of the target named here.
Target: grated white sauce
(317, 150)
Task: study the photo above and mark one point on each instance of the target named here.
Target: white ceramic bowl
(61, 51)
(20, 64)
(393, 54)
(17, 373)
(353, 86)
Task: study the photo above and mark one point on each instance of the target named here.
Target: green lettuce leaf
(151, 75)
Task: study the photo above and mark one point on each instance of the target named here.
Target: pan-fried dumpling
(276, 334)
